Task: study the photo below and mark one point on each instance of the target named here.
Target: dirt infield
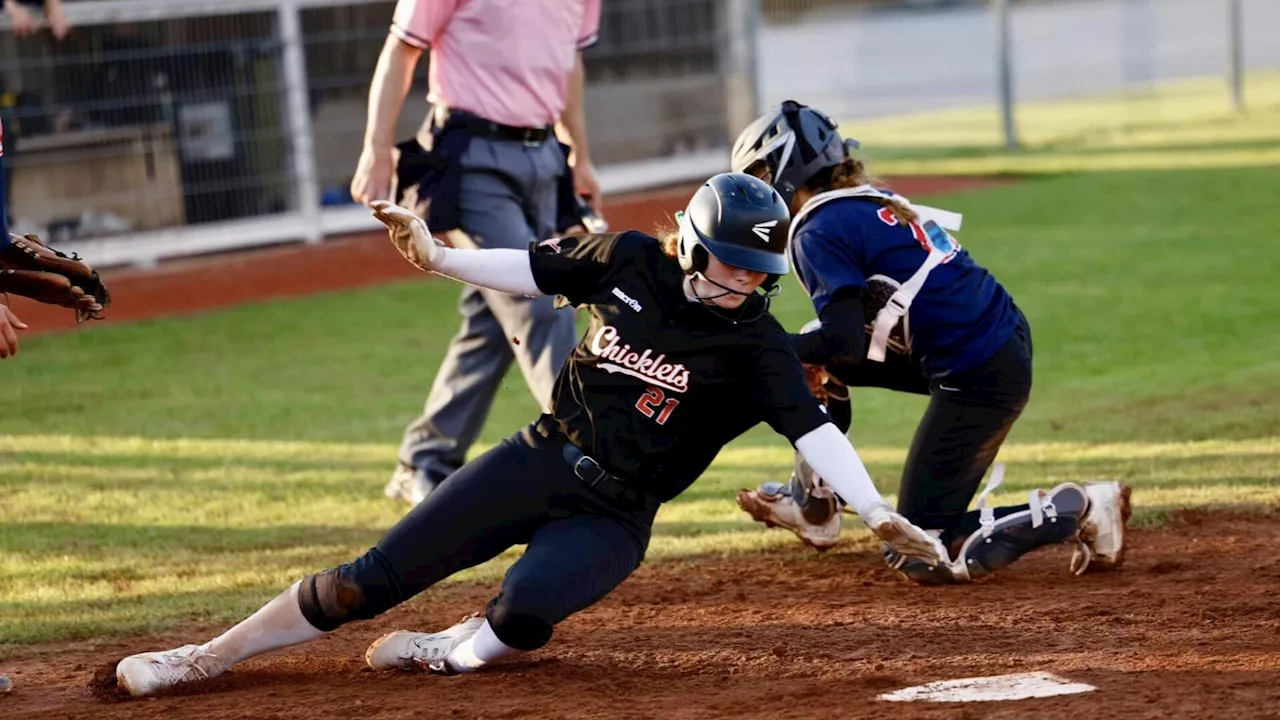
(297, 270)
(1189, 628)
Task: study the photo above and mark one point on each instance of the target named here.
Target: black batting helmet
(739, 220)
(794, 142)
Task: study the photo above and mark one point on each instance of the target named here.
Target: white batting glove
(409, 234)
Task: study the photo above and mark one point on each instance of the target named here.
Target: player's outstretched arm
(502, 269)
(833, 458)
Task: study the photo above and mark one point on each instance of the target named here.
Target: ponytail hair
(852, 173)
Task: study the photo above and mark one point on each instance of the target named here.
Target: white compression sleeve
(502, 269)
(276, 625)
(833, 458)
(479, 650)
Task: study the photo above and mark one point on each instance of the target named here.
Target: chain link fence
(161, 128)
(145, 124)
(158, 129)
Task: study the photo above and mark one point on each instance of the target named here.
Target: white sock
(479, 650)
(276, 625)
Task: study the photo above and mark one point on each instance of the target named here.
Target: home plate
(1019, 686)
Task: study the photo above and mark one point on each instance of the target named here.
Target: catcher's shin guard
(1053, 517)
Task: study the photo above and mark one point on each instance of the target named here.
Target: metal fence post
(1235, 54)
(1004, 69)
(1137, 33)
(299, 120)
(738, 65)
(753, 55)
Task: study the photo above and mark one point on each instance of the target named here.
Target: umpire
(483, 171)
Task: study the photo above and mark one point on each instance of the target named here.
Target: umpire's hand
(587, 185)
(372, 180)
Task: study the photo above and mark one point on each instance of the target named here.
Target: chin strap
(734, 316)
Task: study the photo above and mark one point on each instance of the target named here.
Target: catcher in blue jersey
(901, 305)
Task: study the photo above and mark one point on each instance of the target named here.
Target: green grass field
(1175, 125)
(185, 470)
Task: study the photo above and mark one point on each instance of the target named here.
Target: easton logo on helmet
(762, 229)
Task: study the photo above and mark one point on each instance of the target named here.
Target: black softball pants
(581, 544)
(968, 418)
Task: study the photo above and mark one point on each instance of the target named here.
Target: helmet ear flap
(701, 258)
(693, 256)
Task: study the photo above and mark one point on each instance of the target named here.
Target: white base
(987, 689)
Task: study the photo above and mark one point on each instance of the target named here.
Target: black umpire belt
(480, 127)
(604, 482)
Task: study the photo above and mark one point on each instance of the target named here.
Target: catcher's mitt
(32, 269)
(818, 378)
(879, 289)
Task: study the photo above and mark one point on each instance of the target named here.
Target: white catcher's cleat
(149, 673)
(404, 650)
(1102, 527)
(773, 505)
(905, 538)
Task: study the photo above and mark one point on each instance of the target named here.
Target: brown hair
(669, 238)
(852, 173)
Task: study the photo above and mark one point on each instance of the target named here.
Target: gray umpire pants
(508, 200)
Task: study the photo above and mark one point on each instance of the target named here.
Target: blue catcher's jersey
(959, 319)
(4, 210)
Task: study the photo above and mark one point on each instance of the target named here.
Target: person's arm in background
(415, 25)
(573, 120)
(23, 22)
(391, 80)
(573, 127)
(57, 19)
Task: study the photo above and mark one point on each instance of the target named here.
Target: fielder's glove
(34, 270)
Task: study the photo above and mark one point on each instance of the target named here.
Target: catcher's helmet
(794, 142)
(741, 221)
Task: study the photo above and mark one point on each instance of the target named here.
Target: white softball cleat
(904, 537)
(1102, 527)
(404, 650)
(773, 505)
(149, 673)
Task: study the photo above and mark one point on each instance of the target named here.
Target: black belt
(481, 127)
(604, 482)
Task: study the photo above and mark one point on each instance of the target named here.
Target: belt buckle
(528, 139)
(599, 470)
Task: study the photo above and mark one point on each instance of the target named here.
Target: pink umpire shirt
(507, 61)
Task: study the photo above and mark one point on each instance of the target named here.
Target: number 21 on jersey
(655, 404)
